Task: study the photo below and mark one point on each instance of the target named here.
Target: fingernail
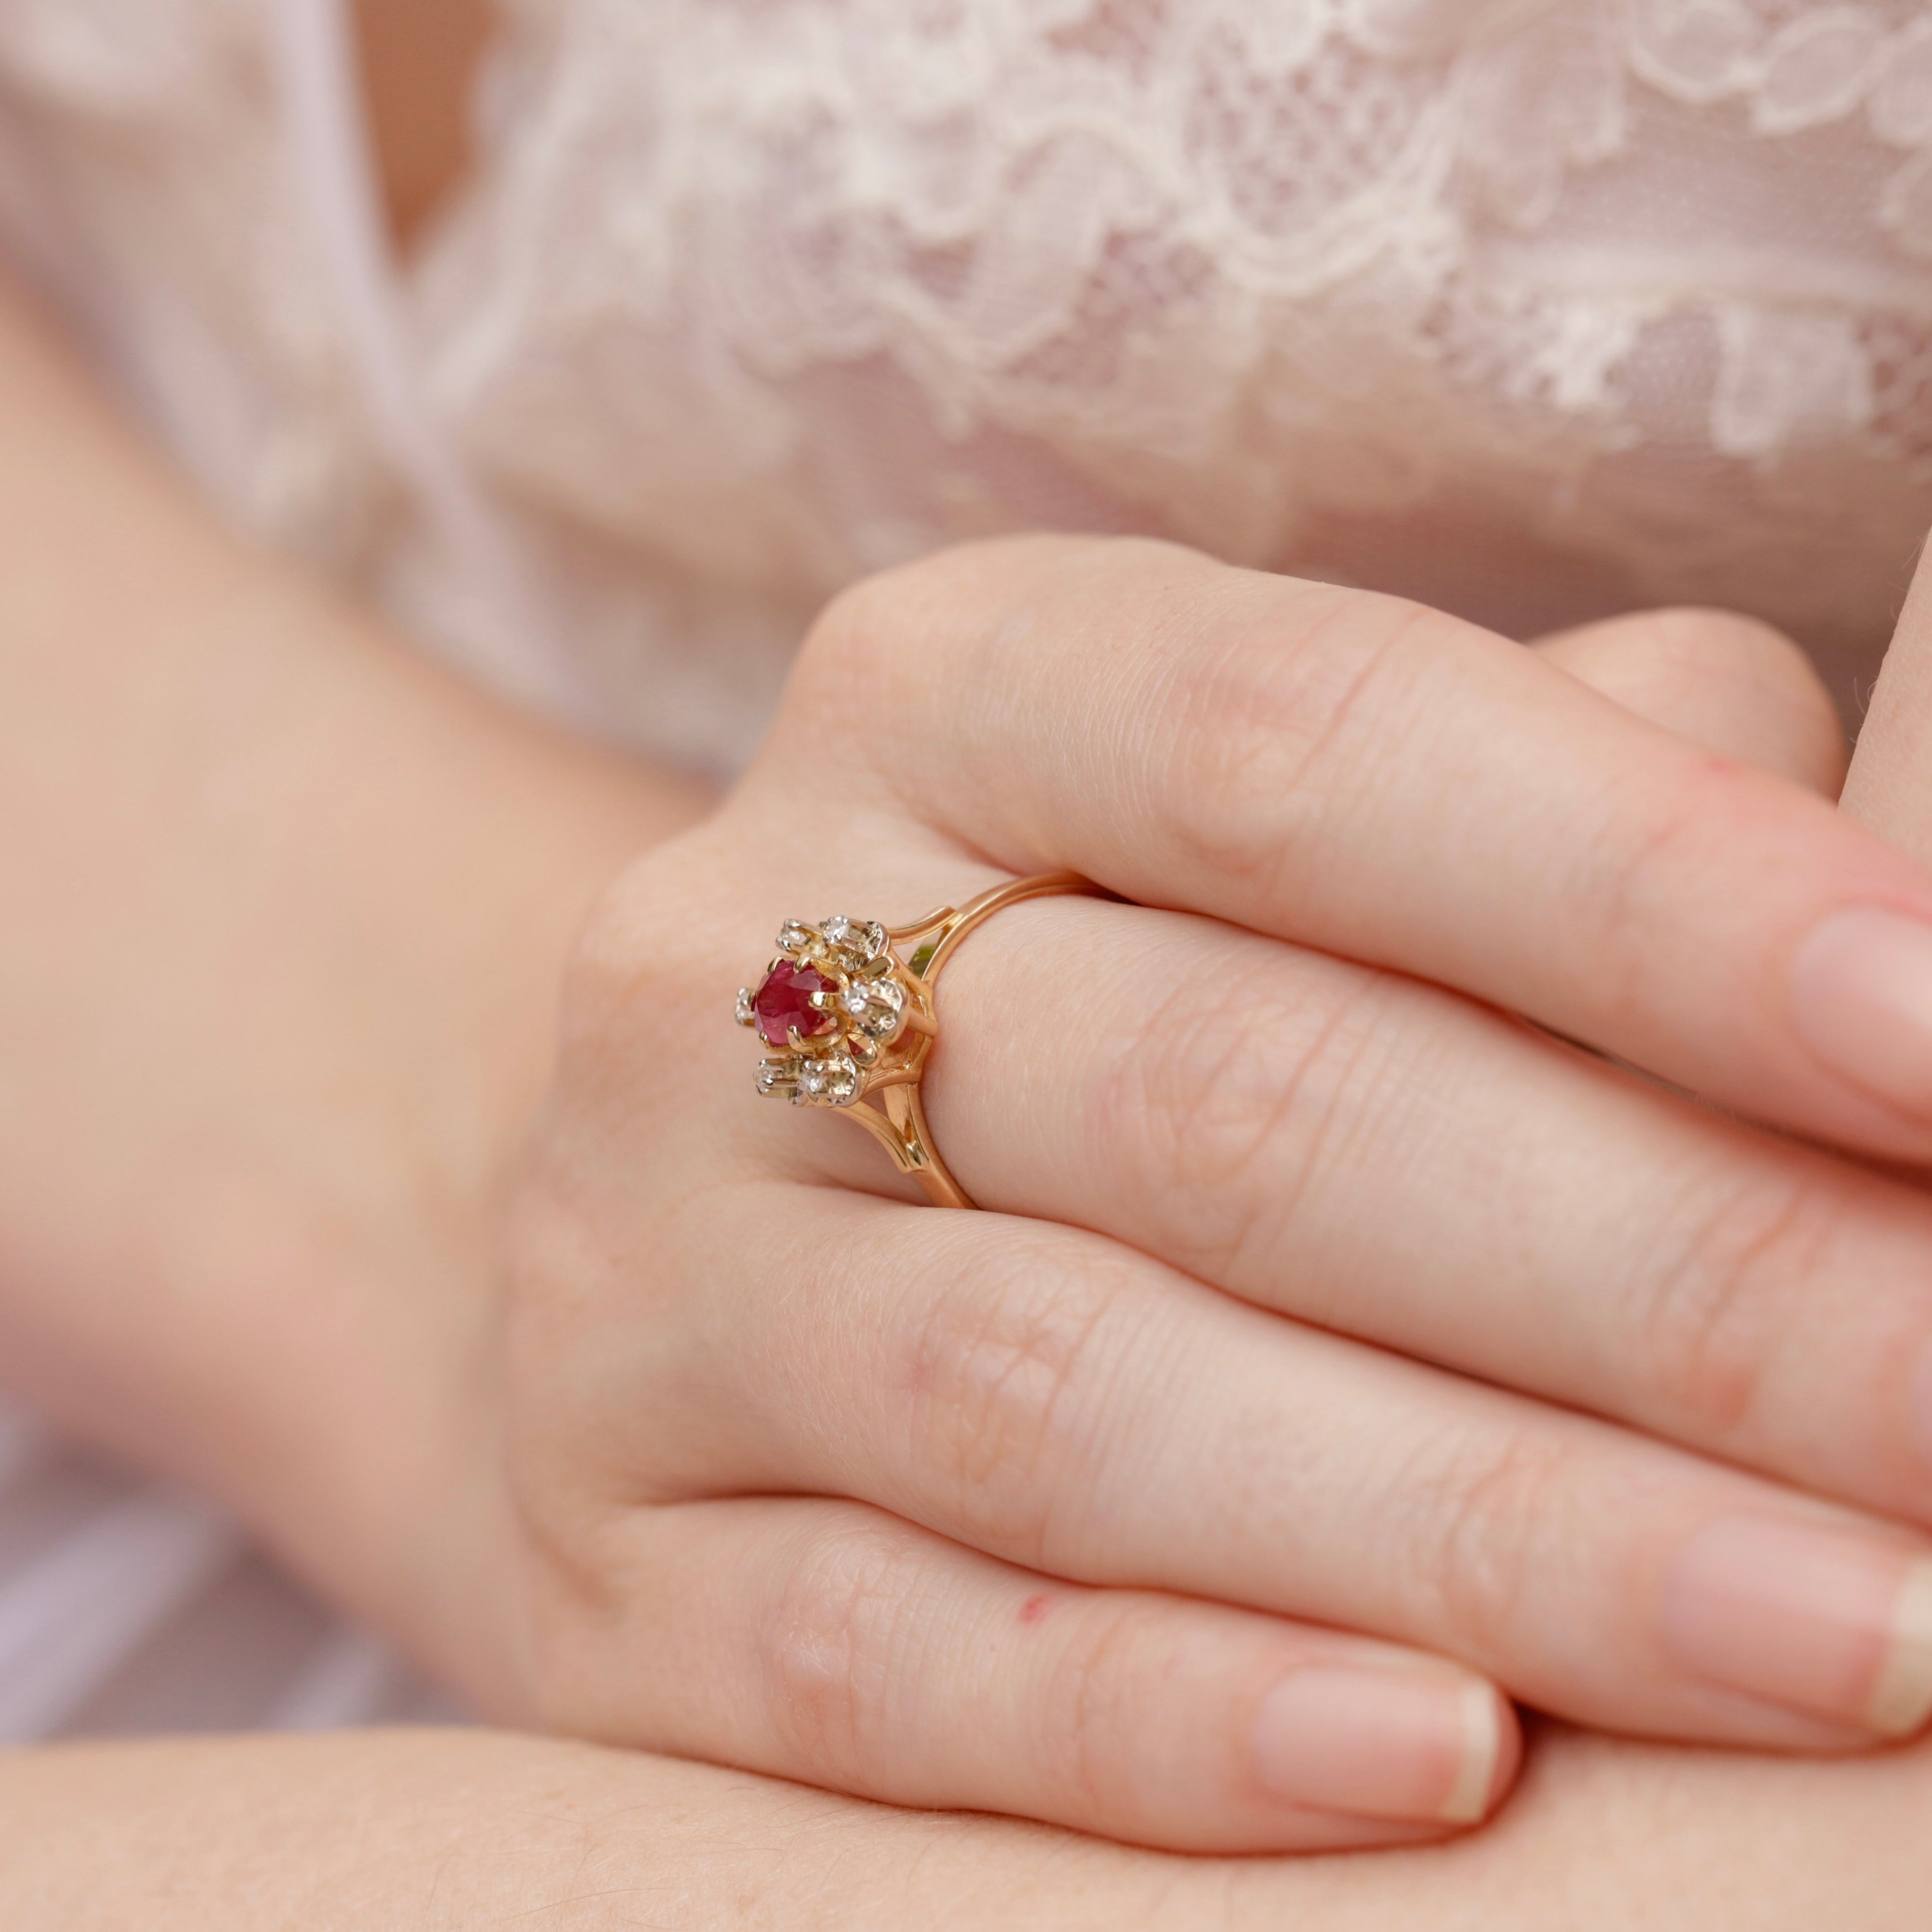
(1381, 1743)
(1861, 999)
(1822, 1620)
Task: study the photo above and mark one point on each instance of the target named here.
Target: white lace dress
(1536, 309)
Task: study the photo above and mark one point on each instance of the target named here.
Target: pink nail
(1385, 1743)
(1822, 1619)
(1861, 999)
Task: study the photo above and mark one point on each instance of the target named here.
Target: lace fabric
(1535, 310)
(145, 181)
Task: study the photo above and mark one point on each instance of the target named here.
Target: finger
(1047, 1396)
(832, 1643)
(1889, 787)
(1727, 682)
(1361, 1150)
(1394, 785)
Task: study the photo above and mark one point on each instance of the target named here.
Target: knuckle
(1006, 1369)
(1711, 1296)
(610, 957)
(1669, 661)
(857, 624)
(1231, 1108)
(836, 1645)
(1627, 880)
(1287, 704)
(1094, 1702)
(617, 999)
(1488, 1516)
(871, 649)
(843, 663)
(903, 632)
(1691, 643)
(1703, 644)
(1717, 677)
(619, 987)
(1721, 662)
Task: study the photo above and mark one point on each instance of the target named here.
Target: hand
(925, 1505)
(275, 1008)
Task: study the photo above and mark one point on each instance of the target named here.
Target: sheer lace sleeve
(1535, 308)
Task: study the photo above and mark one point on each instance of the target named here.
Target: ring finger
(1358, 1150)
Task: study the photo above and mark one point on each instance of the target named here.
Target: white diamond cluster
(861, 997)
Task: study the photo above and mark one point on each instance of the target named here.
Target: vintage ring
(848, 1004)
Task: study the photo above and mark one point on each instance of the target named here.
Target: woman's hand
(926, 1505)
(904, 1500)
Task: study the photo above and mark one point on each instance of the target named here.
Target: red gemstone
(785, 1000)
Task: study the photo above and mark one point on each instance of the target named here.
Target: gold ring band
(849, 1004)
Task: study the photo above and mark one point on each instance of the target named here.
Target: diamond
(837, 930)
(746, 1017)
(794, 936)
(784, 1001)
(829, 1081)
(832, 1081)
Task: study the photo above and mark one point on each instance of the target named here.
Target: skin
(223, 1066)
(335, 1122)
(394, 1832)
(418, 67)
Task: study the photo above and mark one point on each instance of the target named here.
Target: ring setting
(837, 1007)
(845, 1011)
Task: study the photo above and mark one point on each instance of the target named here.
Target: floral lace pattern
(143, 181)
(1534, 308)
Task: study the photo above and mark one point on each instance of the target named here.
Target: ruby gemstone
(785, 1000)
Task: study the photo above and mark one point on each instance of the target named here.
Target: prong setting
(841, 1004)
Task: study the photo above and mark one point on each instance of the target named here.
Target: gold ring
(849, 1003)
